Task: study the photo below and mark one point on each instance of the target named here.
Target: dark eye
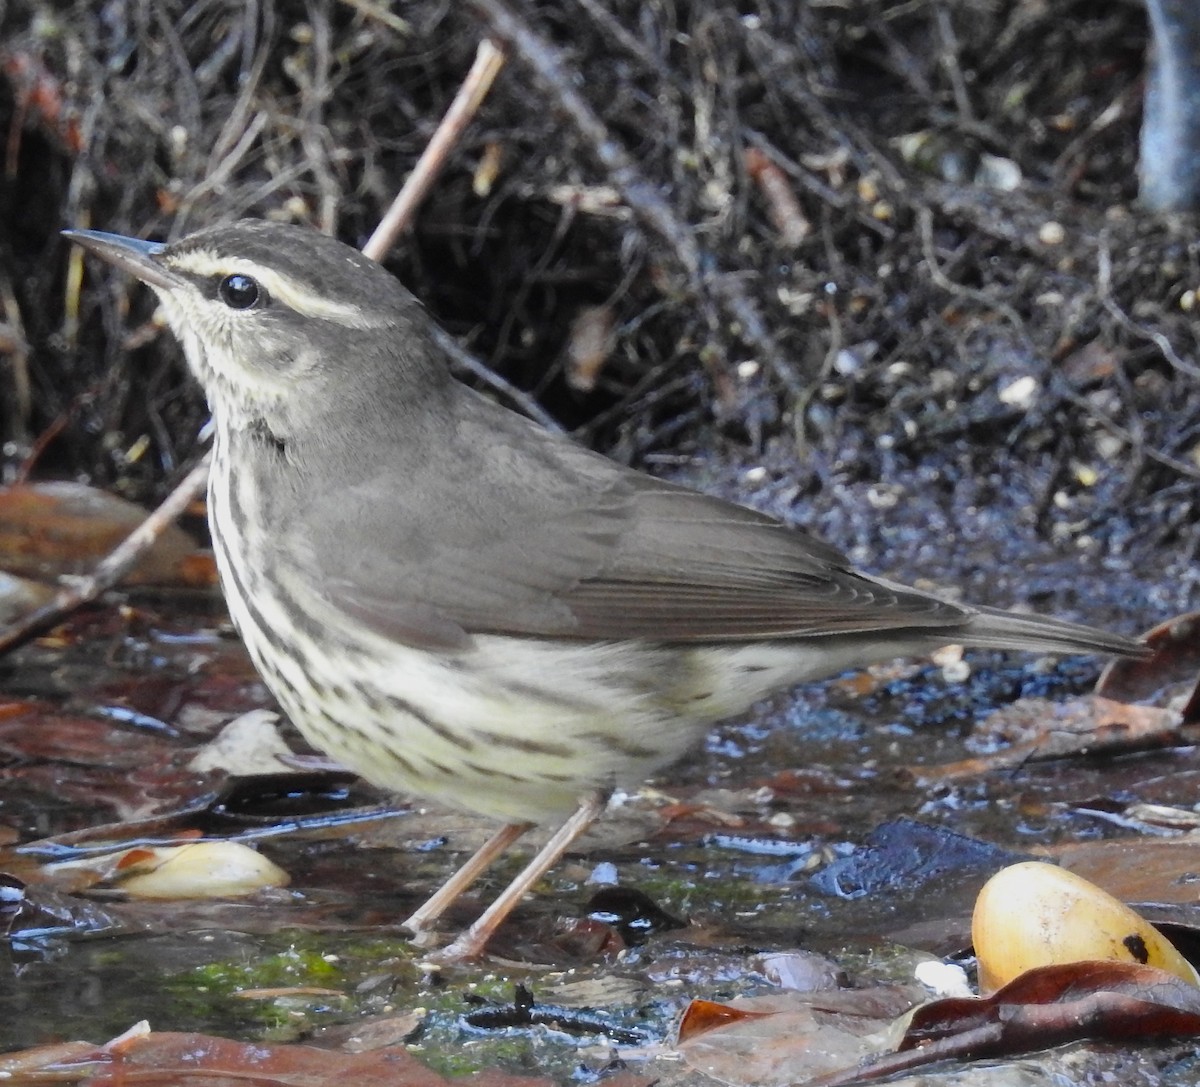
(240, 292)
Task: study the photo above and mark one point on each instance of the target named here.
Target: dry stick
(488, 62)
(113, 567)
(489, 59)
(638, 192)
(84, 590)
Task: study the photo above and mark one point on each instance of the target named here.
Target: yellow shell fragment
(201, 870)
(1034, 914)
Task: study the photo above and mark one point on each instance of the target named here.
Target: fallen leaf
(1176, 645)
(1082, 726)
(1062, 1003)
(54, 528)
(1042, 1008)
(168, 1059)
(249, 744)
(198, 870)
(791, 1038)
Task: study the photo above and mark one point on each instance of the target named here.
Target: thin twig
(556, 75)
(489, 59)
(1126, 435)
(462, 359)
(949, 60)
(380, 14)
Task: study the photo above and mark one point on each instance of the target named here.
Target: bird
(460, 604)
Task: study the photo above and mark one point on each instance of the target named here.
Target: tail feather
(991, 628)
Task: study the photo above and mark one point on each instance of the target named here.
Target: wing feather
(526, 534)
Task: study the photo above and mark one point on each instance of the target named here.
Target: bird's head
(278, 321)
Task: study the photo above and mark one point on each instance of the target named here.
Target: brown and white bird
(458, 604)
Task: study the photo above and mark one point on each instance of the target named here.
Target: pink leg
(437, 904)
(471, 943)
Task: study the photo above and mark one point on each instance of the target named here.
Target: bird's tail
(991, 628)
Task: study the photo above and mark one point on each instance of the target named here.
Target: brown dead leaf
(1040, 1009)
(168, 1059)
(55, 528)
(1061, 1003)
(1137, 870)
(701, 1016)
(1176, 645)
(791, 1037)
(1081, 726)
(32, 734)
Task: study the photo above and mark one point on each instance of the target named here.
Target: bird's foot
(467, 948)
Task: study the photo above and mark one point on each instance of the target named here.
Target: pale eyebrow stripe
(202, 262)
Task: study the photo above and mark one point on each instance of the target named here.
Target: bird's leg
(471, 943)
(440, 900)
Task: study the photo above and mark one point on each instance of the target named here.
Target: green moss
(292, 966)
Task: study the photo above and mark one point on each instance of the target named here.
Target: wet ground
(843, 821)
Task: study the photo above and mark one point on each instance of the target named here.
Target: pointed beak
(131, 255)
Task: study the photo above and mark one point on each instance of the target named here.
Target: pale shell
(1034, 914)
(202, 870)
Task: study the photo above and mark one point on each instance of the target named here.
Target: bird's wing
(523, 533)
(695, 568)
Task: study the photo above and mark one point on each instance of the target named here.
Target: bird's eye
(239, 291)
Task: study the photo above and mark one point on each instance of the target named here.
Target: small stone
(1020, 393)
(998, 173)
(1052, 233)
(882, 497)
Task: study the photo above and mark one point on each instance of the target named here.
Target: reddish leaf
(1137, 870)
(1065, 1002)
(790, 1038)
(47, 529)
(38, 734)
(1042, 1008)
(168, 1059)
(1176, 645)
(701, 1016)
